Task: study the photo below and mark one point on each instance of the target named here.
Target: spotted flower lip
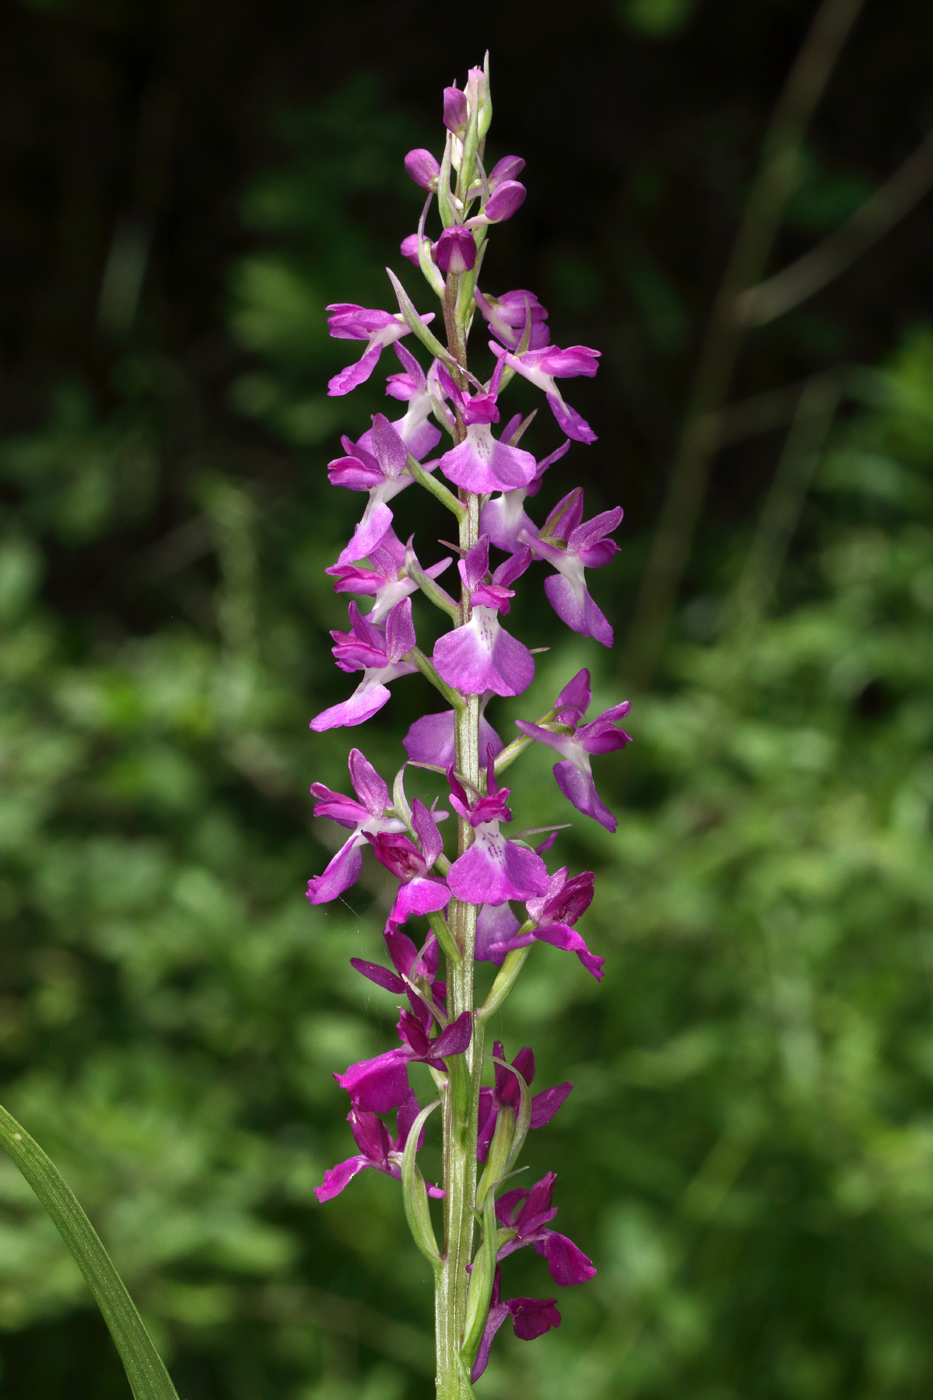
(482, 462)
(576, 741)
(493, 869)
(349, 321)
(379, 653)
(481, 655)
(377, 1149)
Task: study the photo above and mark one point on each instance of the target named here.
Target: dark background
(748, 1155)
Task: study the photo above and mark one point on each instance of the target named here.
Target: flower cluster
(492, 895)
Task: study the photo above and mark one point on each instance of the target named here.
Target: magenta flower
(495, 926)
(507, 1094)
(493, 869)
(411, 386)
(572, 545)
(378, 328)
(378, 463)
(531, 1317)
(376, 651)
(528, 1212)
(508, 315)
(481, 655)
(483, 463)
(503, 517)
(377, 1149)
(544, 367)
(432, 739)
(385, 580)
(367, 816)
(601, 735)
(381, 1084)
(420, 892)
(415, 972)
(456, 113)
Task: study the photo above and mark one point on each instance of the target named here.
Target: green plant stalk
(461, 1101)
(148, 1378)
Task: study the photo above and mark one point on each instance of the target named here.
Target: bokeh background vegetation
(748, 1153)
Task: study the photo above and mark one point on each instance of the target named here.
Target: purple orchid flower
(544, 367)
(381, 1084)
(503, 517)
(378, 328)
(571, 545)
(508, 168)
(385, 580)
(377, 1150)
(493, 869)
(378, 463)
(507, 1094)
(365, 817)
(415, 972)
(508, 315)
(376, 651)
(528, 1212)
(482, 463)
(601, 735)
(531, 1317)
(504, 201)
(553, 914)
(420, 891)
(432, 738)
(411, 386)
(481, 655)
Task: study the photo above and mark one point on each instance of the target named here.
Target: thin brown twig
(770, 189)
(815, 269)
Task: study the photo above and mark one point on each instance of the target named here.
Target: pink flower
(481, 655)
(576, 741)
(531, 1317)
(544, 367)
(493, 869)
(376, 651)
(507, 1095)
(570, 547)
(348, 321)
(377, 1149)
(420, 891)
(385, 580)
(367, 816)
(482, 462)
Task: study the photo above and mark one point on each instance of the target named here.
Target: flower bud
(477, 90)
(504, 201)
(423, 168)
(508, 168)
(455, 250)
(455, 110)
(409, 248)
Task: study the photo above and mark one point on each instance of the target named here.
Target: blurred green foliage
(748, 1153)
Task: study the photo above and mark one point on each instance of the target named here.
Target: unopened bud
(455, 110)
(423, 168)
(508, 168)
(455, 250)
